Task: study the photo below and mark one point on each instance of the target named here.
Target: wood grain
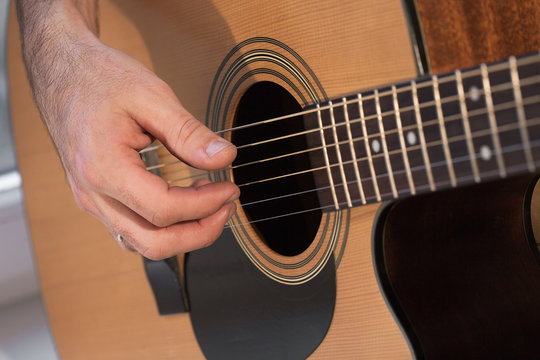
(461, 33)
(468, 274)
(97, 298)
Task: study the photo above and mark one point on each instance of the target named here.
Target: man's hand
(101, 107)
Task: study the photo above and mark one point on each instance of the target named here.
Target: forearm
(52, 32)
(34, 14)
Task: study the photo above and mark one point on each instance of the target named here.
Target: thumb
(187, 138)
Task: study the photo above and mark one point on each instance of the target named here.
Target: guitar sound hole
(283, 211)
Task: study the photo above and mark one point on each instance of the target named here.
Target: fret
(492, 120)
(529, 73)
(363, 162)
(466, 125)
(325, 153)
(352, 192)
(368, 150)
(432, 132)
(475, 103)
(353, 153)
(391, 138)
(444, 136)
(402, 141)
(369, 104)
(413, 148)
(504, 106)
(422, 136)
(339, 158)
(384, 145)
(455, 129)
(521, 114)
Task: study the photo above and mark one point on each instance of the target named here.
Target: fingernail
(216, 146)
(233, 197)
(232, 211)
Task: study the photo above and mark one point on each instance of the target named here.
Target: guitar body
(98, 300)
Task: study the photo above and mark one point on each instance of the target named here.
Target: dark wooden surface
(462, 33)
(465, 274)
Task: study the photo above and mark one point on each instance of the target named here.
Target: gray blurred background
(24, 331)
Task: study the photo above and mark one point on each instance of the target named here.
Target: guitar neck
(428, 134)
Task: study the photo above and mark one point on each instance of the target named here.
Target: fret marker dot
(485, 153)
(474, 93)
(411, 138)
(376, 146)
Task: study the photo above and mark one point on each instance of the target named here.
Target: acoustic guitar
(388, 202)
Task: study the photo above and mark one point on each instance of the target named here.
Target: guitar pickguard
(239, 313)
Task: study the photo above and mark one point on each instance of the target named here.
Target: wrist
(54, 34)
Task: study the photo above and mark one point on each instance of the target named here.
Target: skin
(101, 107)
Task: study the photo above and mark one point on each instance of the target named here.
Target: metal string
(503, 106)
(478, 133)
(443, 184)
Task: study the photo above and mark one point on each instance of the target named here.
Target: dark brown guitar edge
(463, 282)
(389, 295)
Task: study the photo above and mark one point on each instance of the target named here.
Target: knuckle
(161, 218)
(91, 177)
(83, 201)
(153, 252)
(162, 87)
(209, 240)
(184, 132)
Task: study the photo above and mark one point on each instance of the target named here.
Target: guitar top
(227, 61)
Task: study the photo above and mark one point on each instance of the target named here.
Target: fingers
(179, 131)
(151, 197)
(157, 243)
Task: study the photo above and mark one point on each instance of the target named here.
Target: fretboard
(428, 134)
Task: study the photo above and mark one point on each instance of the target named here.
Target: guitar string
(420, 83)
(444, 184)
(499, 87)
(503, 106)
(509, 148)
(532, 80)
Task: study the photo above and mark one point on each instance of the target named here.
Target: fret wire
(466, 125)
(325, 152)
(385, 146)
(402, 141)
(368, 150)
(444, 137)
(521, 113)
(340, 161)
(422, 136)
(353, 154)
(492, 120)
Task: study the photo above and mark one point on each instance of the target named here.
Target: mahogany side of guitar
(464, 267)
(98, 301)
